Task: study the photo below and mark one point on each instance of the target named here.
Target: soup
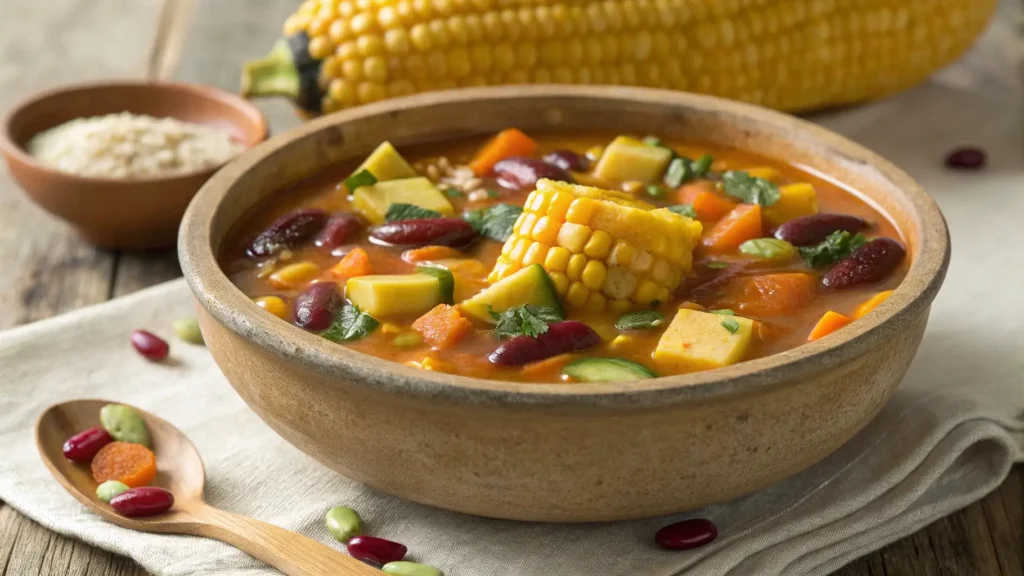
(566, 257)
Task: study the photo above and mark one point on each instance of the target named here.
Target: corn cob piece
(786, 54)
(602, 249)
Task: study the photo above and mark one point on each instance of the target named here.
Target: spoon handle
(291, 553)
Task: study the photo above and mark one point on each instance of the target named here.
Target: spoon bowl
(180, 470)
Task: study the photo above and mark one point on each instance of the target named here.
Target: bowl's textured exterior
(138, 214)
(554, 452)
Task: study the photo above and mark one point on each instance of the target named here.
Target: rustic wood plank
(963, 544)
(138, 270)
(1004, 512)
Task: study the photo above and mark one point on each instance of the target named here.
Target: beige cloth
(948, 437)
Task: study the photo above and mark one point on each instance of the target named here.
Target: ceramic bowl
(136, 214)
(555, 452)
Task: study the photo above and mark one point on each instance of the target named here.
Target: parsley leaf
(731, 325)
(359, 179)
(655, 191)
(350, 324)
(723, 312)
(681, 169)
(639, 320)
(495, 222)
(453, 193)
(653, 141)
(702, 165)
(408, 212)
(831, 250)
(527, 320)
(683, 210)
(749, 189)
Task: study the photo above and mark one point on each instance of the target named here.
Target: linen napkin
(948, 437)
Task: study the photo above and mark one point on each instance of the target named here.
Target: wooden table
(45, 270)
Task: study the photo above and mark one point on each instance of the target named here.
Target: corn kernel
(528, 223)
(581, 211)
(599, 245)
(389, 328)
(519, 250)
(532, 200)
(573, 237)
(675, 277)
(294, 275)
(546, 230)
(535, 254)
(619, 283)
(274, 305)
(557, 259)
(662, 295)
(506, 248)
(619, 306)
(593, 275)
(645, 293)
(596, 302)
(622, 254)
(574, 269)
(620, 341)
(561, 282)
(660, 272)
(559, 206)
(519, 222)
(642, 261)
(540, 206)
(577, 294)
(512, 268)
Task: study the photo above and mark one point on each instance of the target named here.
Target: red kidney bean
(687, 534)
(521, 172)
(560, 338)
(376, 550)
(83, 446)
(869, 263)
(314, 308)
(143, 501)
(568, 160)
(338, 230)
(810, 230)
(966, 158)
(150, 345)
(454, 232)
(288, 231)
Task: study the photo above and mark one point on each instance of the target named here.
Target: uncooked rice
(128, 146)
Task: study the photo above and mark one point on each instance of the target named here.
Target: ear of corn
(786, 54)
(602, 249)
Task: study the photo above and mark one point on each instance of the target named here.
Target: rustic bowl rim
(9, 147)
(229, 306)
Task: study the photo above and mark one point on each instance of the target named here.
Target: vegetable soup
(566, 257)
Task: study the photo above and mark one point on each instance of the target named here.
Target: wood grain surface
(47, 271)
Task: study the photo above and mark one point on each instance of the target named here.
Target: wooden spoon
(180, 470)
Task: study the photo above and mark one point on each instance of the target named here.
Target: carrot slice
(355, 263)
(708, 204)
(870, 304)
(553, 364)
(509, 142)
(429, 253)
(828, 324)
(443, 326)
(740, 225)
(769, 294)
(127, 462)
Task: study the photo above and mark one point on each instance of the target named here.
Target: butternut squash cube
(627, 159)
(385, 163)
(373, 201)
(795, 200)
(381, 296)
(702, 340)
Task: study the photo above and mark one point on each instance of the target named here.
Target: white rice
(128, 146)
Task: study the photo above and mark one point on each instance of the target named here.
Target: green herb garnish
(731, 325)
(682, 169)
(398, 212)
(642, 320)
(768, 249)
(495, 222)
(453, 193)
(749, 189)
(527, 320)
(655, 191)
(723, 312)
(652, 141)
(703, 165)
(683, 210)
(359, 179)
(492, 194)
(831, 250)
(350, 324)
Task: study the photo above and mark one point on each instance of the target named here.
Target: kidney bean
(560, 338)
(568, 160)
(288, 231)
(83, 446)
(687, 534)
(314, 308)
(966, 158)
(810, 230)
(142, 501)
(454, 232)
(521, 172)
(151, 346)
(869, 263)
(376, 550)
(338, 230)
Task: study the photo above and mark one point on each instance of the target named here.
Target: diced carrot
(509, 142)
(768, 294)
(553, 364)
(127, 462)
(707, 203)
(828, 324)
(355, 263)
(740, 225)
(443, 326)
(870, 304)
(429, 253)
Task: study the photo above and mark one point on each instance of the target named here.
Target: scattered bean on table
(149, 345)
(376, 550)
(403, 568)
(344, 523)
(187, 330)
(687, 534)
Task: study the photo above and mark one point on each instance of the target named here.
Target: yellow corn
(602, 249)
(274, 305)
(293, 275)
(786, 54)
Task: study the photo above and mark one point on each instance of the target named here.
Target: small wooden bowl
(556, 452)
(131, 214)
